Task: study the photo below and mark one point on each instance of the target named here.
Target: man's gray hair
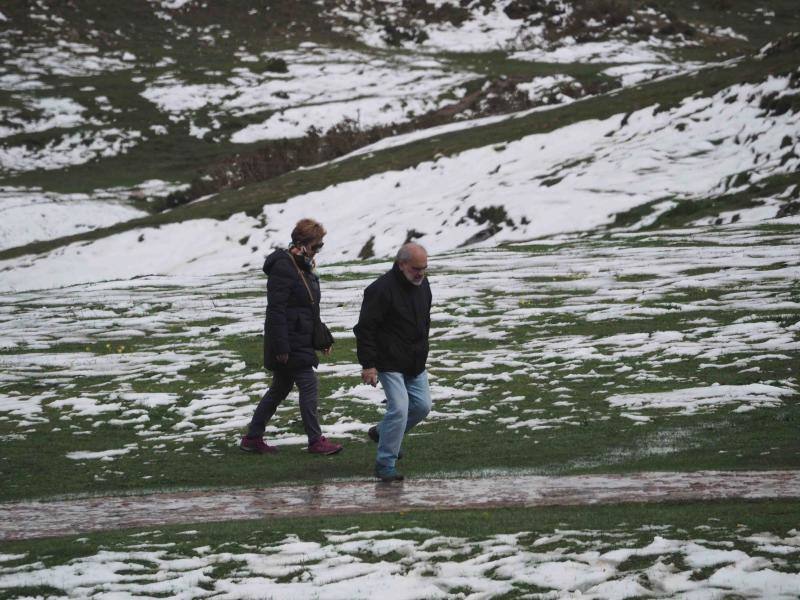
(404, 254)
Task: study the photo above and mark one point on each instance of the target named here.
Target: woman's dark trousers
(282, 382)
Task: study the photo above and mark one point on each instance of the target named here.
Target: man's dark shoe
(387, 475)
(256, 446)
(323, 446)
(373, 434)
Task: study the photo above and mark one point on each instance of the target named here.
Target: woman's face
(312, 248)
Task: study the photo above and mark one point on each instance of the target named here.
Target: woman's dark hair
(307, 231)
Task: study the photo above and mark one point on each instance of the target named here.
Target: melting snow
(146, 329)
(692, 400)
(356, 564)
(568, 179)
(30, 215)
(321, 88)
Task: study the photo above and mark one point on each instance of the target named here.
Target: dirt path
(51, 519)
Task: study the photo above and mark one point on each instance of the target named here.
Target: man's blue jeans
(408, 401)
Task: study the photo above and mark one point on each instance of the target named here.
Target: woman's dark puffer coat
(290, 316)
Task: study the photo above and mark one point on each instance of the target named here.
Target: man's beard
(411, 278)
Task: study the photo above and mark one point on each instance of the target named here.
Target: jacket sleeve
(279, 286)
(373, 310)
(430, 305)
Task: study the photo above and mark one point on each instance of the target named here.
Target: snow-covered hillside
(67, 115)
(610, 194)
(573, 179)
(84, 93)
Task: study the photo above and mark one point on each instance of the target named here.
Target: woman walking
(293, 295)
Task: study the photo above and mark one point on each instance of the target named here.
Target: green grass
(692, 210)
(583, 433)
(757, 516)
(598, 441)
(739, 15)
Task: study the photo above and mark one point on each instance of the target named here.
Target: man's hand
(370, 376)
(327, 351)
(282, 358)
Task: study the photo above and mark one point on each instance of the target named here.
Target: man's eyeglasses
(317, 247)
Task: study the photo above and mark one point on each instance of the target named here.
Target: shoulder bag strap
(302, 277)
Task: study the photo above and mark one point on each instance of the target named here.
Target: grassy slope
(741, 16)
(760, 439)
(602, 528)
(600, 440)
(134, 27)
(251, 199)
(777, 517)
(269, 26)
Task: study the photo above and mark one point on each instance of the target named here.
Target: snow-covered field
(134, 285)
(29, 215)
(321, 88)
(655, 560)
(573, 179)
(149, 329)
(490, 27)
(567, 324)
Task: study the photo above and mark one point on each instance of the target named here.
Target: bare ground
(39, 519)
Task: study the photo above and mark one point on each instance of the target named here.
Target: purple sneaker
(257, 446)
(323, 446)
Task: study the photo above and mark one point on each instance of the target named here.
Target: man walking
(392, 345)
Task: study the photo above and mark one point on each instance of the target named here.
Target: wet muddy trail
(39, 519)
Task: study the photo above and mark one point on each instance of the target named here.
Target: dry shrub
(276, 65)
(609, 12)
(522, 9)
(409, 24)
(368, 249)
(591, 19)
(722, 5)
(281, 156)
(677, 27)
(277, 157)
(396, 35)
(788, 44)
(430, 13)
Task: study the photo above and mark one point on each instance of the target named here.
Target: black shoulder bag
(321, 337)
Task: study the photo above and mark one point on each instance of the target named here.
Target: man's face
(414, 268)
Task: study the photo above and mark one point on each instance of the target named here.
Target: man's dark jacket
(290, 315)
(392, 330)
